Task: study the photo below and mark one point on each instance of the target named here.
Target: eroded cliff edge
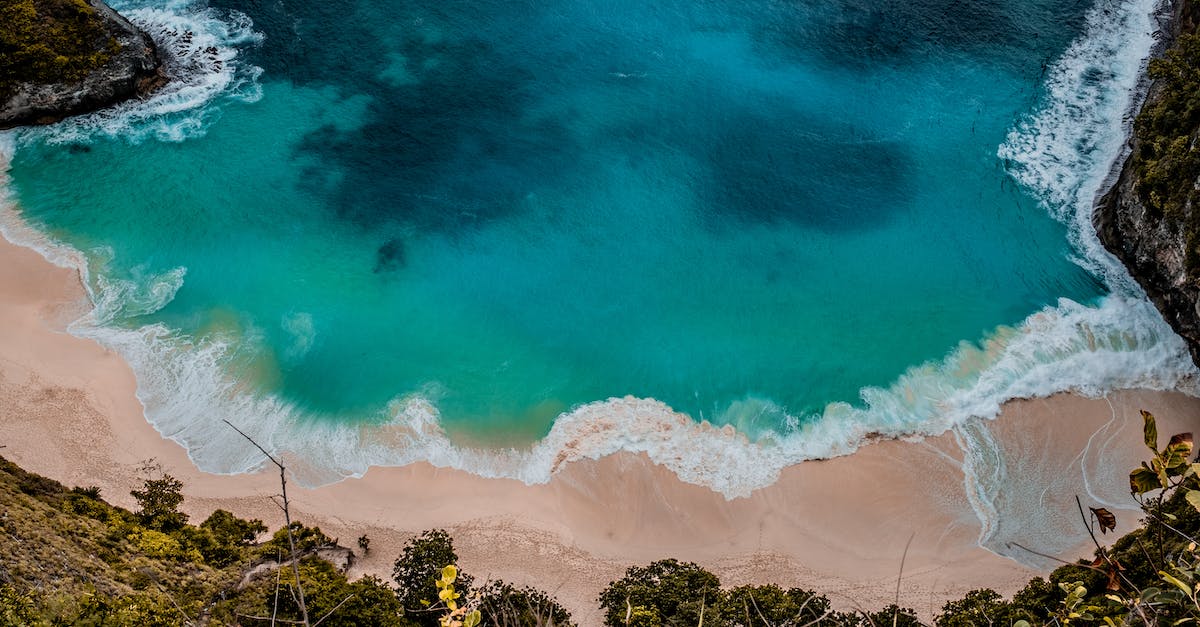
(1149, 218)
(60, 58)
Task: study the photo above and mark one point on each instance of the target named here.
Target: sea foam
(1062, 153)
(199, 47)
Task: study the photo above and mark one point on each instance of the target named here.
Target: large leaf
(1193, 498)
(1175, 456)
(1143, 480)
(1150, 431)
(1106, 519)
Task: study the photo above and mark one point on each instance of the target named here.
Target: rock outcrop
(1152, 246)
(133, 70)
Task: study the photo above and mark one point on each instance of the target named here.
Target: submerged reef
(1149, 218)
(60, 58)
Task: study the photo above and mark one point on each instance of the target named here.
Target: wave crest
(200, 48)
(1061, 153)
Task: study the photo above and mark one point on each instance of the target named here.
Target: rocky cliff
(126, 65)
(1148, 219)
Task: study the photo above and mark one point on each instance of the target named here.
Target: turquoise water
(748, 211)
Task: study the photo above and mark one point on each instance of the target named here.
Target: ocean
(500, 236)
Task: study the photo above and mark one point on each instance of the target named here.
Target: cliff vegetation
(50, 41)
(1167, 162)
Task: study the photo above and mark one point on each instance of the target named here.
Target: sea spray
(1064, 152)
(200, 47)
(187, 389)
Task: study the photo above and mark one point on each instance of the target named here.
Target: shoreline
(839, 526)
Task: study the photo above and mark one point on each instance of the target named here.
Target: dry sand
(68, 411)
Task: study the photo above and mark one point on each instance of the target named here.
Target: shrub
(770, 605)
(306, 539)
(503, 605)
(158, 503)
(49, 41)
(418, 569)
(675, 592)
(16, 608)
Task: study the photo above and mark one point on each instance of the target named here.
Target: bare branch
(251, 440)
(335, 608)
(278, 575)
(270, 618)
(287, 519)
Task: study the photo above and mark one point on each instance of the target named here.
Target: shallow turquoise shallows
(512, 208)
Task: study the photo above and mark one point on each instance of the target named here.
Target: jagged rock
(1153, 248)
(134, 71)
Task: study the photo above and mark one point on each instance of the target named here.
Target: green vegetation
(1150, 576)
(69, 558)
(49, 41)
(1167, 163)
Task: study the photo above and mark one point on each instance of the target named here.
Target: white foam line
(1121, 343)
(199, 47)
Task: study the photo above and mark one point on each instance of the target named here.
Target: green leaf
(449, 574)
(1174, 581)
(1150, 431)
(1193, 499)
(1021, 623)
(1143, 480)
(1175, 456)
(472, 619)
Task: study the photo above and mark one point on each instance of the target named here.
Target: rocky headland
(1149, 218)
(60, 58)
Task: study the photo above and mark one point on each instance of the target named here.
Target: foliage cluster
(670, 593)
(71, 558)
(67, 557)
(49, 41)
(1167, 164)
(1150, 576)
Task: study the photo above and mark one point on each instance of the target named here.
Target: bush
(502, 605)
(306, 539)
(675, 592)
(49, 41)
(417, 570)
(770, 605)
(16, 608)
(224, 538)
(368, 602)
(158, 503)
(1168, 162)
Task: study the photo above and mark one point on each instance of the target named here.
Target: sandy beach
(68, 410)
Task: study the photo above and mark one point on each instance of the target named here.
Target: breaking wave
(1062, 153)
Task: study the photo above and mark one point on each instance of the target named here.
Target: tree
(978, 607)
(159, 500)
(503, 605)
(892, 615)
(367, 602)
(676, 593)
(771, 606)
(418, 569)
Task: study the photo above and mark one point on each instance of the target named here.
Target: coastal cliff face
(70, 57)
(1149, 218)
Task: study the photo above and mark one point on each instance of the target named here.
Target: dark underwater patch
(862, 35)
(761, 171)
